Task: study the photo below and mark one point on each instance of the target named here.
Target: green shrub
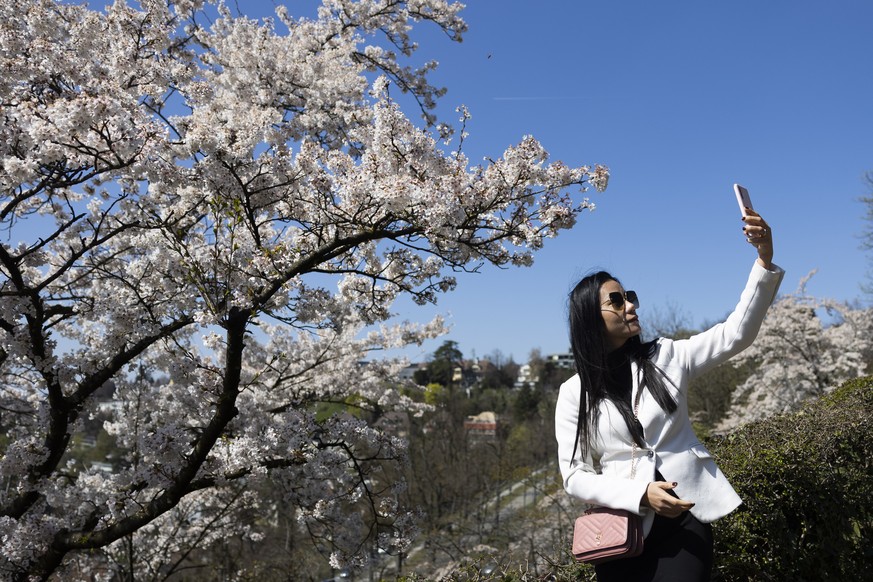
(806, 480)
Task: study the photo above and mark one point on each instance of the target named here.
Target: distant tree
(806, 347)
(867, 234)
(536, 362)
(446, 358)
(434, 393)
(497, 358)
(449, 352)
(497, 372)
(438, 460)
(546, 373)
(441, 366)
(526, 403)
(510, 372)
(710, 395)
(667, 321)
(496, 400)
(421, 377)
(552, 376)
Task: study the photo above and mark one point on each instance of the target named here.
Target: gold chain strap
(633, 440)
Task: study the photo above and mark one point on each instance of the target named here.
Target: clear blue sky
(680, 99)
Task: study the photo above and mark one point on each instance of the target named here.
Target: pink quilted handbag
(602, 534)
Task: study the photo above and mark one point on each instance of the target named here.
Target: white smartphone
(743, 198)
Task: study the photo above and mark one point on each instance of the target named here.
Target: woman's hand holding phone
(758, 232)
(759, 235)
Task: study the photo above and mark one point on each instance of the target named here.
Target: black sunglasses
(617, 299)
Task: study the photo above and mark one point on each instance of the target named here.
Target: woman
(624, 436)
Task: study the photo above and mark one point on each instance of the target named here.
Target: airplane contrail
(538, 98)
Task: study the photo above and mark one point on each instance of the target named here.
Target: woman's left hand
(759, 235)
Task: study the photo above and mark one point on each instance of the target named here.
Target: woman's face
(620, 319)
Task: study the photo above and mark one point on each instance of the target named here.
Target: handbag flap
(600, 528)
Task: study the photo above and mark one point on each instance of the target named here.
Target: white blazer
(603, 477)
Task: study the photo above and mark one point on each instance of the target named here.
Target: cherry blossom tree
(230, 207)
(867, 234)
(807, 346)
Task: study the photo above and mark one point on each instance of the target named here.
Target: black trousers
(677, 549)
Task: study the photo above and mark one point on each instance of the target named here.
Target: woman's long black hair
(590, 349)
